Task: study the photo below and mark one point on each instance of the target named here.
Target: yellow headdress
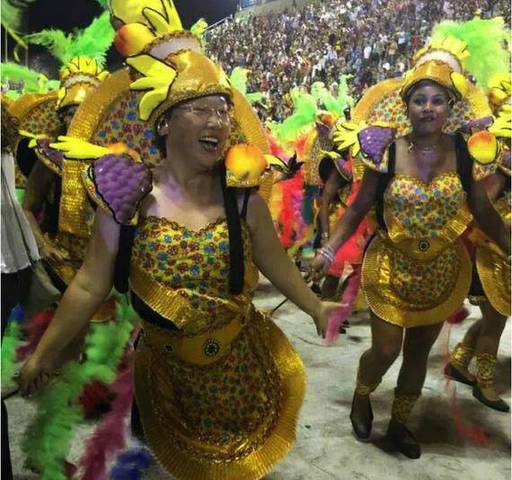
(166, 57)
(81, 56)
(166, 67)
(383, 105)
(441, 62)
(77, 78)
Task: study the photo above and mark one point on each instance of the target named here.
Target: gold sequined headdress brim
(36, 114)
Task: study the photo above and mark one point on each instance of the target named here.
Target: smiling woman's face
(428, 108)
(200, 129)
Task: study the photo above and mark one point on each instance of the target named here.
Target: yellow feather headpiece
(77, 79)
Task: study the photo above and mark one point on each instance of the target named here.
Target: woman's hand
(318, 268)
(34, 375)
(50, 252)
(321, 318)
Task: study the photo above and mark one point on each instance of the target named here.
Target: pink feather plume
(347, 300)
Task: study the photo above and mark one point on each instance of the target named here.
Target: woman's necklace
(425, 149)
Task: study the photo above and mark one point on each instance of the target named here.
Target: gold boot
(485, 372)
(402, 439)
(457, 368)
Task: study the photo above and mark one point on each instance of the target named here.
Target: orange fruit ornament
(483, 147)
(245, 164)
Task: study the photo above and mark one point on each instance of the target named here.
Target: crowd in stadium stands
(367, 39)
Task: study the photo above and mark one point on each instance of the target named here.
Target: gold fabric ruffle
(411, 292)
(175, 305)
(494, 272)
(229, 419)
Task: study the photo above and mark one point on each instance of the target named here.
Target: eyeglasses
(204, 112)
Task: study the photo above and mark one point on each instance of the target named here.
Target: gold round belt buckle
(423, 245)
(211, 347)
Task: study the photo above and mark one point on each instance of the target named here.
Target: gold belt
(202, 349)
(423, 249)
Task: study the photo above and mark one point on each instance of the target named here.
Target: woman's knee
(388, 352)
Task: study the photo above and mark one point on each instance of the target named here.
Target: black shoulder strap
(243, 213)
(124, 254)
(464, 163)
(382, 184)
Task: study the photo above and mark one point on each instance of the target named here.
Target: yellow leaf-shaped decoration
(76, 148)
(346, 136)
(158, 78)
(272, 160)
(150, 101)
(27, 134)
(330, 154)
(502, 126)
(163, 21)
(172, 14)
(158, 22)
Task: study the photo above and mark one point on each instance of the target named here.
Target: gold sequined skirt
(494, 272)
(411, 290)
(222, 405)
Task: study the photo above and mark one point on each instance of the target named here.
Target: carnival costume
(416, 270)
(217, 384)
(69, 230)
(491, 276)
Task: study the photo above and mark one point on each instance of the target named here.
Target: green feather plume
(486, 41)
(33, 82)
(238, 79)
(93, 41)
(9, 345)
(12, 14)
(47, 440)
(104, 4)
(303, 117)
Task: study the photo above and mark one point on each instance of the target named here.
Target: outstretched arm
(348, 223)
(488, 218)
(273, 262)
(85, 294)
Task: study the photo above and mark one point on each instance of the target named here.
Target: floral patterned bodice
(415, 209)
(193, 263)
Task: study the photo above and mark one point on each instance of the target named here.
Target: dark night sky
(68, 15)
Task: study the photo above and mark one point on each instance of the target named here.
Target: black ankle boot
(362, 426)
(499, 405)
(403, 440)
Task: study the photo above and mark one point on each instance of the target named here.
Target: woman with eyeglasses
(218, 386)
